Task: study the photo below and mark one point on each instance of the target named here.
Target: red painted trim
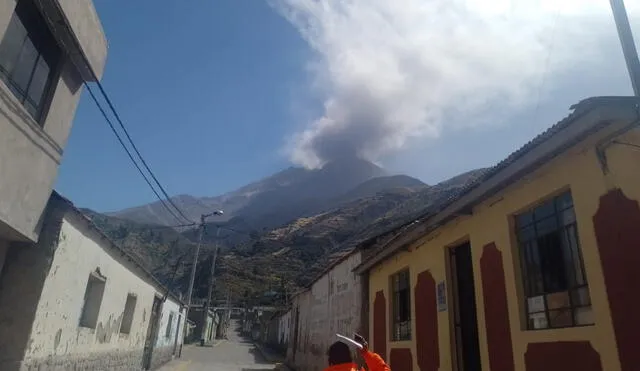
(401, 359)
(380, 325)
(562, 356)
(496, 310)
(617, 227)
(427, 347)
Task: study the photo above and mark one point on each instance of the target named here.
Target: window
(555, 285)
(167, 333)
(28, 57)
(92, 301)
(401, 310)
(127, 316)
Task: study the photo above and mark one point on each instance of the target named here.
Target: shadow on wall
(257, 356)
(23, 276)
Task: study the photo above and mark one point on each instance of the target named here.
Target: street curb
(270, 357)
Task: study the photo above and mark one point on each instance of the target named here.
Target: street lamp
(205, 309)
(203, 217)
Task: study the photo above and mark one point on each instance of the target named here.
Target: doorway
(465, 321)
(178, 330)
(295, 333)
(152, 333)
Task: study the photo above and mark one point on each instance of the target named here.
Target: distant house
(211, 324)
(331, 304)
(76, 300)
(534, 266)
(48, 48)
(284, 329)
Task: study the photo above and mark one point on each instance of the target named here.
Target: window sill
(400, 341)
(557, 328)
(18, 108)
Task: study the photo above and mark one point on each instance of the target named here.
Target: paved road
(234, 354)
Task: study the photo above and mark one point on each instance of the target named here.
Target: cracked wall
(330, 306)
(42, 296)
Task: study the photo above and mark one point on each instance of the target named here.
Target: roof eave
(568, 135)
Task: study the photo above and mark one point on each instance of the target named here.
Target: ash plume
(391, 71)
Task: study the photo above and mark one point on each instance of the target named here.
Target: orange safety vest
(374, 363)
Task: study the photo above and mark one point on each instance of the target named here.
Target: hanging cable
(135, 163)
(76, 45)
(135, 148)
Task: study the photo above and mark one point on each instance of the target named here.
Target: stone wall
(118, 361)
(161, 356)
(24, 274)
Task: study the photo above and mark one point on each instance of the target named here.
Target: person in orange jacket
(340, 358)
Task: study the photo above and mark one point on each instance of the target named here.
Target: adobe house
(534, 266)
(76, 300)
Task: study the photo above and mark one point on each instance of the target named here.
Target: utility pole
(205, 312)
(628, 46)
(201, 227)
(228, 314)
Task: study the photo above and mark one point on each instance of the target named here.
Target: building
(47, 49)
(330, 305)
(532, 267)
(273, 331)
(211, 324)
(76, 300)
(169, 337)
(284, 329)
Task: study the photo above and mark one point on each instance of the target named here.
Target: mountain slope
(371, 187)
(272, 201)
(282, 259)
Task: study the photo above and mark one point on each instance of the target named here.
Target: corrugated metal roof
(579, 109)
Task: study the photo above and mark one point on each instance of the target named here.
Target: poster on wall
(441, 295)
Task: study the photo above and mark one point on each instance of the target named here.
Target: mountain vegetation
(278, 233)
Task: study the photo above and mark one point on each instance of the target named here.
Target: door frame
(152, 332)
(177, 337)
(458, 353)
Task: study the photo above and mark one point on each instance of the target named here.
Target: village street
(234, 354)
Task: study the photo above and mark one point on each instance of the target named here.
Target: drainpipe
(609, 140)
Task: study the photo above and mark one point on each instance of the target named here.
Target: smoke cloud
(394, 70)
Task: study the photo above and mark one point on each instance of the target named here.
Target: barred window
(555, 285)
(401, 311)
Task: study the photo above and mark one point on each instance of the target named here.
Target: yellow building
(535, 266)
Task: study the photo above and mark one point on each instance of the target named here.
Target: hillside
(269, 202)
(285, 258)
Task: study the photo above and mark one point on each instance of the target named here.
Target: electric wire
(135, 149)
(135, 163)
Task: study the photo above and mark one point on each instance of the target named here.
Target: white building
(284, 326)
(330, 305)
(75, 300)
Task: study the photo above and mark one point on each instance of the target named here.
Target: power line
(135, 163)
(135, 148)
(170, 226)
(77, 46)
